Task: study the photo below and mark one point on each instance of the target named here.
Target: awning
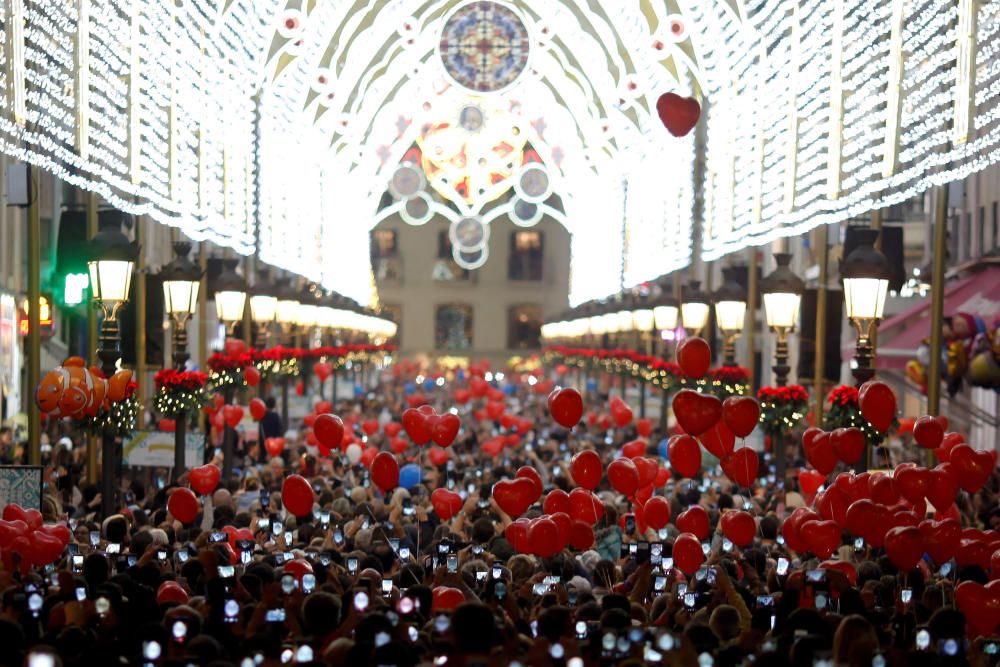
(901, 335)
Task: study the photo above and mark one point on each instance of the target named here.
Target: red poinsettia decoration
(169, 379)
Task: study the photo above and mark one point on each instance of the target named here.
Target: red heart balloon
(445, 598)
(832, 506)
(741, 466)
(878, 404)
(438, 456)
(718, 440)
(183, 505)
(445, 429)
(385, 471)
(852, 487)
(543, 534)
(274, 446)
(624, 476)
(297, 495)
(564, 524)
(981, 605)
(843, 566)
(529, 472)
(446, 503)
(399, 445)
(848, 444)
(556, 500)
(678, 114)
(928, 432)
(45, 548)
(740, 415)
(791, 528)
(694, 357)
(644, 428)
(204, 478)
(820, 455)
(60, 531)
(810, 481)
(809, 434)
(685, 455)
(461, 396)
(739, 526)
(586, 469)
(329, 430)
(693, 520)
(257, 409)
(514, 496)
(233, 414)
(392, 429)
(416, 426)
(943, 488)
(370, 427)
(656, 512)
(687, 553)
(821, 536)
(633, 449)
(621, 413)
(696, 413)
(941, 538)
(882, 490)
(905, 546)
(912, 482)
(581, 536)
(517, 534)
(973, 467)
(647, 471)
(233, 347)
(323, 370)
(585, 506)
(251, 376)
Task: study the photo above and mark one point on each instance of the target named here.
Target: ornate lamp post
(642, 321)
(730, 313)
(286, 313)
(694, 309)
(111, 266)
(230, 301)
(264, 310)
(782, 291)
(181, 282)
(866, 273)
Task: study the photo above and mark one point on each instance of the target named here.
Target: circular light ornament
(676, 28)
(484, 46)
(471, 118)
(524, 213)
(470, 260)
(406, 181)
(417, 210)
(322, 81)
(291, 24)
(469, 234)
(533, 183)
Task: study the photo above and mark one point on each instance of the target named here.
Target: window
(453, 327)
(524, 326)
(527, 250)
(384, 250)
(445, 269)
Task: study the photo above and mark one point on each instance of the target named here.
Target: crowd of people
(373, 579)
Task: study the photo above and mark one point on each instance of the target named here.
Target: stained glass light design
(484, 46)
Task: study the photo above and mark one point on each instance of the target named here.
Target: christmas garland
(118, 418)
(782, 408)
(228, 368)
(180, 392)
(844, 412)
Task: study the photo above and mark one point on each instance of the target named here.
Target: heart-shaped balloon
(445, 429)
(329, 430)
(392, 429)
(941, 538)
(204, 478)
(274, 446)
(446, 598)
(656, 512)
(416, 426)
(385, 471)
(323, 370)
(943, 488)
(928, 432)
(912, 482)
(694, 356)
(832, 506)
(739, 526)
(848, 444)
(621, 413)
(257, 409)
(740, 415)
(719, 440)
(696, 413)
(810, 481)
(678, 114)
(687, 553)
(791, 528)
(586, 469)
(905, 547)
(581, 536)
(882, 489)
(585, 506)
(624, 477)
(684, 453)
(981, 605)
(878, 404)
(543, 534)
(370, 427)
(517, 534)
(821, 536)
(446, 503)
(820, 455)
(529, 472)
(514, 496)
(251, 376)
(635, 448)
(233, 414)
(556, 500)
(233, 347)
(693, 520)
(297, 495)
(183, 505)
(741, 466)
(438, 456)
(644, 428)
(973, 467)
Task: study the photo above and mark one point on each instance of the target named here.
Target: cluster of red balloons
(423, 425)
(716, 424)
(824, 449)
(221, 415)
(23, 533)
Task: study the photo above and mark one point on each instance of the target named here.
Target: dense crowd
(373, 579)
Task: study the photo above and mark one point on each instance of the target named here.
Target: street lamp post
(643, 320)
(866, 274)
(181, 282)
(665, 316)
(730, 313)
(782, 291)
(230, 301)
(111, 265)
(694, 309)
(286, 312)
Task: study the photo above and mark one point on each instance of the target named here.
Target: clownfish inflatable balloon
(72, 390)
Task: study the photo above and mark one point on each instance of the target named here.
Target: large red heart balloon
(581, 535)
(624, 476)
(821, 536)
(183, 505)
(204, 478)
(882, 490)
(385, 471)
(514, 496)
(257, 409)
(718, 440)
(810, 481)
(832, 506)
(740, 415)
(656, 512)
(446, 503)
(928, 432)
(684, 453)
(973, 467)
(820, 455)
(517, 534)
(678, 114)
(586, 469)
(585, 506)
(791, 528)
(621, 413)
(297, 495)
(694, 357)
(687, 553)
(635, 448)
(739, 526)
(905, 546)
(696, 413)
(329, 430)
(445, 429)
(323, 370)
(45, 548)
(878, 404)
(647, 471)
(274, 446)
(392, 429)
(693, 520)
(370, 427)
(644, 428)
(741, 466)
(251, 376)
(233, 347)
(438, 456)
(528, 472)
(941, 538)
(852, 487)
(556, 500)
(415, 423)
(981, 605)
(543, 534)
(848, 444)
(912, 482)
(233, 414)
(943, 488)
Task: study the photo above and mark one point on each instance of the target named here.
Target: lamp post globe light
(782, 294)
(730, 312)
(866, 273)
(111, 264)
(666, 314)
(230, 302)
(264, 311)
(694, 309)
(181, 282)
(286, 313)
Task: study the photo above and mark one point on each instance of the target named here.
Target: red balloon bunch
(23, 534)
(423, 425)
(547, 535)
